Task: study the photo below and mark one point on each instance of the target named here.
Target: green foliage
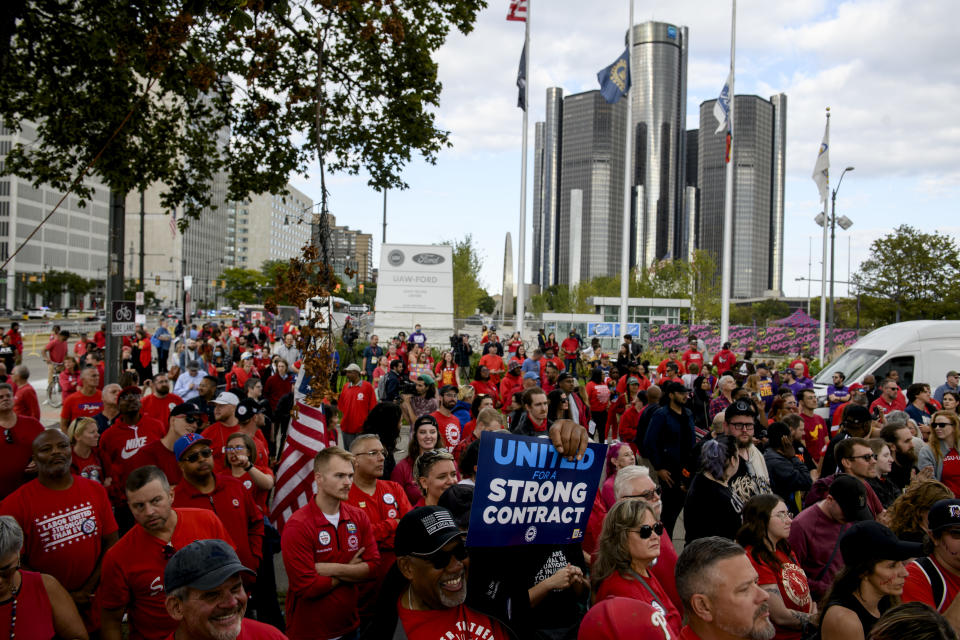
(913, 270)
(130, 289)
(54, 284)
(252, 90)
(486, 304)
(467, 292)
(244, 286)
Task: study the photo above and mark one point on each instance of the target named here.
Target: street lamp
(845, 223)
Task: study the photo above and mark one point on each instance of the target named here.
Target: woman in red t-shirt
(514, 343)
(69, 377)
(435, 472)
(551, 343)
(942, 451)
(629, 545)
(447, 370)
(598, 395)
(425, 437)
(766, 526)
(278, 385)
(519, 355)
(619, 407)
(241, 458)
(84, 438)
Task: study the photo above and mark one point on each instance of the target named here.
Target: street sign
(139, 298)
(187, 282)
(123, 316)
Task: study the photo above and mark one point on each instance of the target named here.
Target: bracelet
(248, 467)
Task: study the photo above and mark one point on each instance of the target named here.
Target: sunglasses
(441, 559)
(647, 530)
(196, 455)
(190, 418)
(867, 457)
(934, 425)
(648, 495)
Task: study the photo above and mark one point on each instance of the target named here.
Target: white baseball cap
(227, 398)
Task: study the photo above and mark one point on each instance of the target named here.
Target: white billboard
(415, 279)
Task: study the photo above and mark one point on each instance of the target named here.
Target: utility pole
(114, 284)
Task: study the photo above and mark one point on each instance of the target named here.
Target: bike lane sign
(123, 314)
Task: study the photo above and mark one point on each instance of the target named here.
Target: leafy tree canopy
(256, 90)
(467, 262)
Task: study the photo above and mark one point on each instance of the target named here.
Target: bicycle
(54, 392)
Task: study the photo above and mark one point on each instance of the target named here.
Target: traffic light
(360, 287)
(158, 281)
(337, 288)
(223, 284)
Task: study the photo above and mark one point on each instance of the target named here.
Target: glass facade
(758, 192)
(592, 162)
(550, 205)
(537, 199)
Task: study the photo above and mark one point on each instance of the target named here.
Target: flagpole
(522, 236)
(823, 277)
(728, 194)
(627, 191)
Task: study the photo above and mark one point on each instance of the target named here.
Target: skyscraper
(658, 68)
(549, 184)
(592, 162)
(760, 147)
(537, 201)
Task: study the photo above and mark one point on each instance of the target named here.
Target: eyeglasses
(441, 559)
(196, 455)
(376, 453)
(934, 425)
(783, 515)
(656, 492)
(867, 457)
(742, 426)
(237, 449)
(647, 530)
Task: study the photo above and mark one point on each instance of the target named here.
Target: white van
(920, 350)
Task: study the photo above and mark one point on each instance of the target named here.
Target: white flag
(821, 170)
(721, 108)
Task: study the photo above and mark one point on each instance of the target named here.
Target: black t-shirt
(8, 353)
(711, 509)
(745, 483)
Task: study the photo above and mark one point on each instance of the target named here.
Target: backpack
(937, 584)
(382, 387)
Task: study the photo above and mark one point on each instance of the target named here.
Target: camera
(408, 387)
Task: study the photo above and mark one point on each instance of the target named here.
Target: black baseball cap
(447, 388)
(851, 495)
(566, 375)
(458, 499)
(856, 413)
(424, 531)
(202, 565)
(739, 408)
(185, 409)
(869, 540)
(247, 409)
(944, 514)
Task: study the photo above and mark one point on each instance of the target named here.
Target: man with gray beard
(718, 586)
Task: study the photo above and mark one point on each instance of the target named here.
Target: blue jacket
(462, 412)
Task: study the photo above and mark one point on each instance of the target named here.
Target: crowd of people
(735, 502)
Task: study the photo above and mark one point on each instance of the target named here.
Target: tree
(467, 292)
(486, 304)
(175, 93)
(770, 309)
(913, 270)
(130, 289)
(53, 284)
(244, 286)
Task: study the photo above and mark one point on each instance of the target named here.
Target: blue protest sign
(526, 493)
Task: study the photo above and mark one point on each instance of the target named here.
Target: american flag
(295, 485)
(518, 10)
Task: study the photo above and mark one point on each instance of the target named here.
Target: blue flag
(615, 79)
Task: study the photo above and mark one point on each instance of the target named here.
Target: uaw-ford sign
(415, 279)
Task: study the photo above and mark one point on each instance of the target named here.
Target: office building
(267, 227)
(74, 239)
(537, 212)
(759, 154)
(350, 249)
(591, 187)
(658, 66)
(546, 190)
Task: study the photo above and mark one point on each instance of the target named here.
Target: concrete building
(163, 247)
(74, 239)
(759, 154)
(546, 191)
(591, 163)
(350, 249)
(267, 227)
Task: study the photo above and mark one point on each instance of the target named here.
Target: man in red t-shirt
(25, 402)
(86, 402)
(890, 399)
(935, 580)
(54, 353)
(131, 580)
(816, 434)
(67, 522)
(670, 359)
(549, 357)
(448, 424)
(222, 494)
(203, 580)
(356, 400)
(16, 338)
(570, 350)
(511, 383)
(724, 359)
(184, 418)
(158, 404)
(328, 548)
(130, 431)
(692, 355)
(17, 434)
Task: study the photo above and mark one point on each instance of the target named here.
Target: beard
(908, 459)
(766, 631)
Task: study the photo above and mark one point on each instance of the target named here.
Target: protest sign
(527, 493)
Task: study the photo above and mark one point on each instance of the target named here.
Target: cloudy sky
(886, 68)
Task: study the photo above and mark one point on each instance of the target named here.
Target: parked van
(920, 351)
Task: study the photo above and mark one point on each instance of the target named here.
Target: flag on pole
(522, 79)
(518, 10)
(721, 108)
(295, 485)
(615, 79)
(173, 224)
(821, 170)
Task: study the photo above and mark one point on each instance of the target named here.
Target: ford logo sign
(427, 258)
